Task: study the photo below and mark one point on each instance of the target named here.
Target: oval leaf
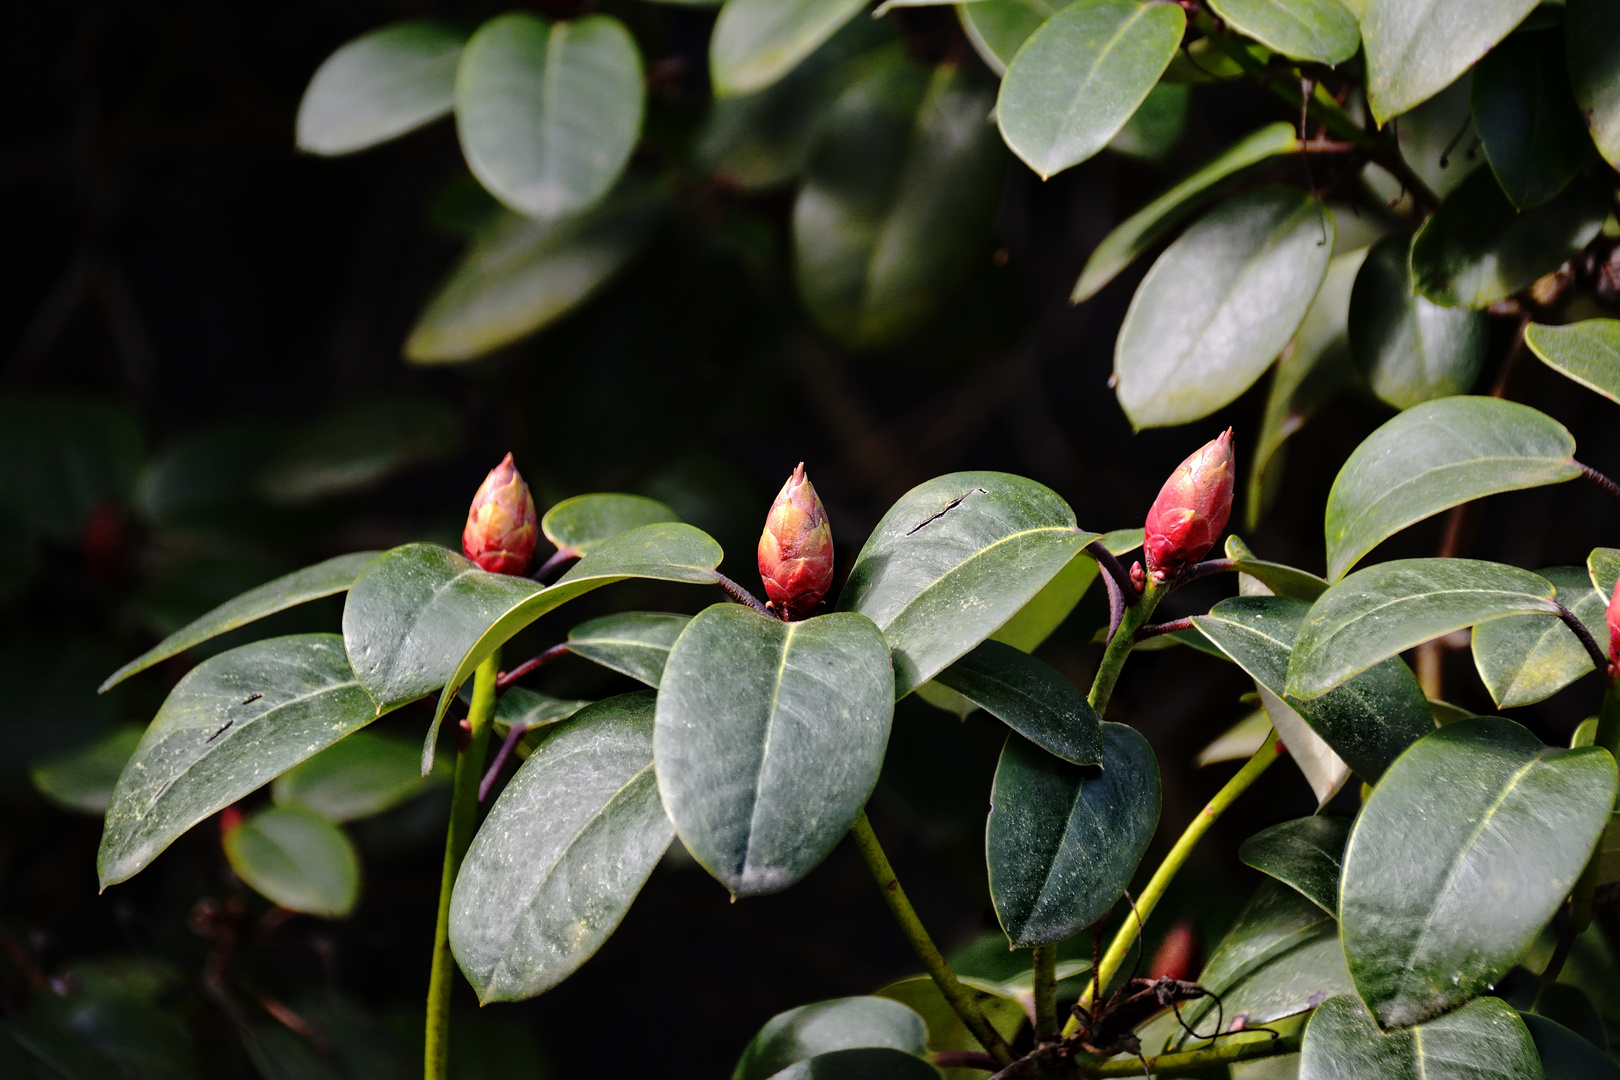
(1030, 697)
(1483, 1040)
(380, 85)
(997, 28)
(840, 1024)
(298, 860)
(954, 559)
(1219, 305)
(1526, 117)
(564, 851)
(1305, 853)
(1323, 31)
(363, 775)
(633, 643)
(235, 722)
(1587, 352)
(1063, 840)
(1081, 75)
(82, 780)
(1436, 915)
(1416, 48)
(1592, 41)
(756, 42)
(579, 524)
(770, 737)
(1525, 658)
(1436, 456)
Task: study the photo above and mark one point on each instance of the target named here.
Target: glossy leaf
(952, 560)
(1045, 612)
(235, 722)
(1525, 658)
(1416, 48)
(1477, 249)
(562, 854)
(1587, 352)
(582, 523)
(633, 643)
(299, 587)
(363, 775)
(839, 1024)
(1276, 578)
(1592, 42)
(769, 740)
(548, 112)
(1305, 853)
(1080, 76)
(1436, 915)
(757, 42)
(1384, 610)
(526, 710)
(998, 28)
(1322, 31)
(1436, 456)
(897, 198)
(296, 859)
(867, 1063)
(1030, 697)
(1219, 305)
(380, 85)
(82, 780)
(1410, 349)
(1063, 840)
(1526, 117)
(519, 274)
(1566, 1055)
(1483, 1040)
(1603, 564)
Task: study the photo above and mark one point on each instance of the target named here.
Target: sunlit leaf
(297, 859)
(997, 28)
(1483, 1040)
(1323, 31)
(1525, 658)
(582, 523)
(1587, 352)
(1415, 48)
(757, 42)
(380, 85)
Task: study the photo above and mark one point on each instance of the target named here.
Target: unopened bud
(1191, 510)
(501, 526)
(1614, 632)
(795, 550)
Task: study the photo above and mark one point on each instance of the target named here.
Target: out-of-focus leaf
(1305, 853)
(1592, 43)
(1526, 117)
(945, 1029)
(358, 446)
(51, 706)
(298, 859)
(82, 780)
(757, 42)
(1587, 352)
(380, 85)
(1416, 48)
(206, 481)
(633, 643)
(584, 522)
(1323, 31)
(363, 775)
(1564, 1054)
(997, 28)
(1219, 305)
(840, 1024)
(1483, 1040)
(1029, 697)
(1525, 658)
(1437, 141)
(65, 458)
(867, 1063)
(1155, 127)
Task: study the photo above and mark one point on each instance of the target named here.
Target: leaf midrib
(765, 750)
(978, 553)
(1065, 128)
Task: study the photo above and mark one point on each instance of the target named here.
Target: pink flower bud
(795, 550)
(1614, 631)
(1180, 955)
(1191, 510)
(501, 526)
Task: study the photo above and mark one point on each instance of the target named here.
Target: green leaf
(1592, 42)
(1566, 1055)
(1154, 129)
(897, 199)
(234, 723)
(1030, 697)
(955, 558)
(563, 853)
(1238, 742)
(840, 1024)
(379, 86)
(1416, 48)
(296, 859)
(582, 523)
(1525, 658)
(867, 1063)
(1436, 456)
(1433, 916)
(1045, 612)
(1410, 349)
(1526, 117)
(82, 780)
(548, 112)
(1139, 232)
(299, 587)
(998, 28)
(1384, 610)
(757, 42)
(1305, 853)
(769, 740)
(363, 775)
(1483, 1040)
(1323, 31)
(633, 643)
(1587, 352)
(526, 710)
(1063, 840)
(1219, 305)
(1604, 566)
(1477, 249)
(1280, 579)
(1368, 720)
(946, 1031)
(519, 274)
(358, 446)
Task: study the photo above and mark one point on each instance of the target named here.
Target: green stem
(956, 995)
(1129, 931)
(1114, 656)
(463, 816)
(1044, 963)
(1247, 1046)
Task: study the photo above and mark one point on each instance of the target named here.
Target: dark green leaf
(380, 85)
(1154, 129)
(1483, 1040)
(1525, 658)
(1587, 351)
(1080, 76)
(756, 42)
(1415, 48)
(1592, 42)
(633, 643)
(582, 523)
(65, 458)
(234, 723)
(1433, 916)
(873, 1063)
(770, 738)
(1031, 698)
(297, 859)
(840, 1024)
(1063, 840)
(1570, 1007)
(1382, 611)
(363, 775)
(955, 558)
(1280, 579)
(563, 853)
(1526, 117)
(358, 446)
(1045, 612)
(1436, 456)
(1305, 853)
(945, 1029)
(526, 710)
(1410, 349)
(1323, 31)
(998, 28)
(1565, 1055)
(1219, 305)
(83, 780)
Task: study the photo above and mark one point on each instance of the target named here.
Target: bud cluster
(795, 550)
(502, 526)
(1191, 510)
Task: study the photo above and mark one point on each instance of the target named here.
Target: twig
(1601, 482)
(507, 678)
(558, 557)
(1200, 570)
(1158, 629)
(962, 1059)
(1599, 660)
(741, 595)
(513, 734)
(1116, 608)
(1116, 570)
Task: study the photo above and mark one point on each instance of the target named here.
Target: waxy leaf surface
(1416, 48)
(380, 85)
(633, 643)
(1305, 853)
(1483, 1040)
(1526, 117)
(297, 859)
(1030, 697)
(582, 523)
(1592, 46)
(1525, 658)
(1323, 31)
(1587, 352)
(848, 1023)
(756, 42)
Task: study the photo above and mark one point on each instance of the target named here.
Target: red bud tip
(502, 526)
(1179, 955)
(795, 550)
(1191, 510)
(1614, 631)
